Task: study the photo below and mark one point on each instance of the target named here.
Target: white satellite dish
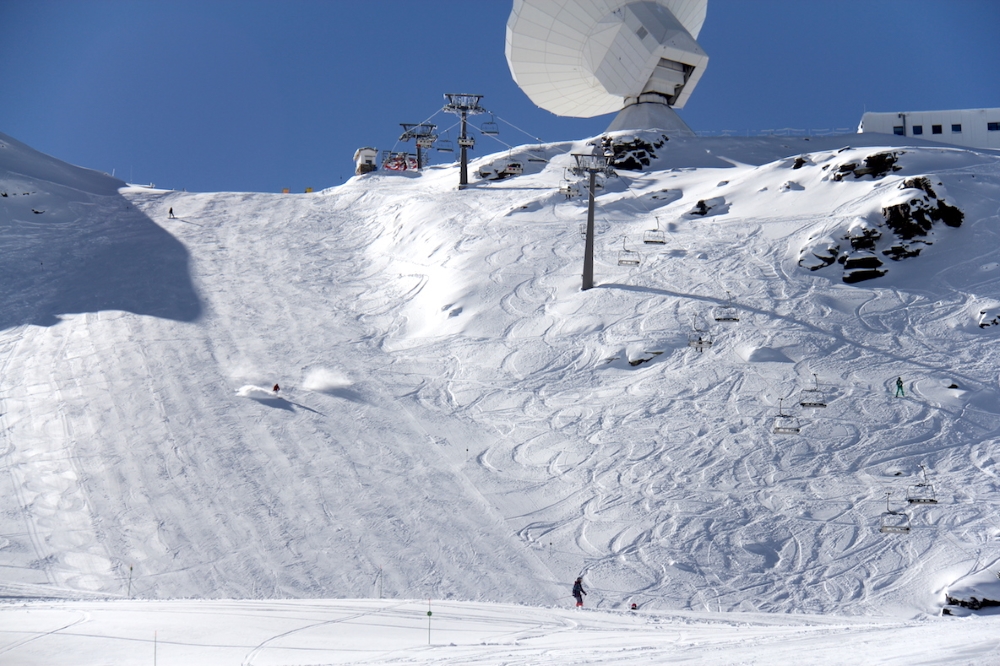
(585, 58)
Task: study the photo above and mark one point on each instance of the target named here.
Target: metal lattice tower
(592, 165)
(423, 135)
(463, 105)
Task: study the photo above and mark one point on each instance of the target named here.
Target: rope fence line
(784, 131)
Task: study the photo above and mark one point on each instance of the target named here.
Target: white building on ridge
(972, 128)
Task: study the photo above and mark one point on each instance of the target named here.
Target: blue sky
(256, 96)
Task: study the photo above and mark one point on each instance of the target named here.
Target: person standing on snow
(899, 387)
(578, 592)
(276, 389)
(170, 213)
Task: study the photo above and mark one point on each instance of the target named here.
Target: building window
(899, 130)
(956, 128)
(918, 129)
(993, 127)
(935, 129)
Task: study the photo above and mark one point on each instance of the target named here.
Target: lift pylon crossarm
(417, 131)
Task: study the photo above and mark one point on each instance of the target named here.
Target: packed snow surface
(457, 420)
(370, 631)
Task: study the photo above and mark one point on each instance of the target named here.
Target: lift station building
(972, 128)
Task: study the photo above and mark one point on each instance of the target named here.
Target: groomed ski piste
(459, 422)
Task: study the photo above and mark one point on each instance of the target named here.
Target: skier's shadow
(287, 405)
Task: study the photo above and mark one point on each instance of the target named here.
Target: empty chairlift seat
(627, 257)
(785, 424)
(893, 522)
(727, 312)
(490, 127)
(655, 236)
(813, 397)
(923, 492)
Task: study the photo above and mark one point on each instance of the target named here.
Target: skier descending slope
(578, 592)
(899, 387)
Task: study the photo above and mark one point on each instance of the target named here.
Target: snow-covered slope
(457, 419)
(369, 631)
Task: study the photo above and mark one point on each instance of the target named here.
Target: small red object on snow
(276, 388)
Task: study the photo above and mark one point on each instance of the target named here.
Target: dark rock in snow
(862, 260)
(631, 155)
(972, 603)
(901, 251)
(862, 266)
(915, 217)
(876, 166)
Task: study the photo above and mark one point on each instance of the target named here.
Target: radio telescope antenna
(585, 58)
(423, 135)
(463, 105)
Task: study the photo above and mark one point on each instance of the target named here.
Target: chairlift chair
(568, 189)
(466, 141)
(923, 492)
(726, 312)
(627, 257)
(513, 168)
(700, 338)
(813, 397)
(785, 424)
(893, 522)
(490, 127)
(445, 145)
(655, 236)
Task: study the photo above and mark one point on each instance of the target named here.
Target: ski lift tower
(593, 165)
(463, 105)
(423, 135)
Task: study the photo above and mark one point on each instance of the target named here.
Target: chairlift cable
(538, 139)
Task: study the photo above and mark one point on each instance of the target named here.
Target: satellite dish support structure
(585, 58)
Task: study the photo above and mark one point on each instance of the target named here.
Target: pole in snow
(423, 135)
(591, 165)
(428, 621)
(463, 105)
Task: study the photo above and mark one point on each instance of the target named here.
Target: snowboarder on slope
(276, 388)
(578, 592)
(170, 213)
(899, 387)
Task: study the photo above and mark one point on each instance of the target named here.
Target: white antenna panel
(585, 58)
